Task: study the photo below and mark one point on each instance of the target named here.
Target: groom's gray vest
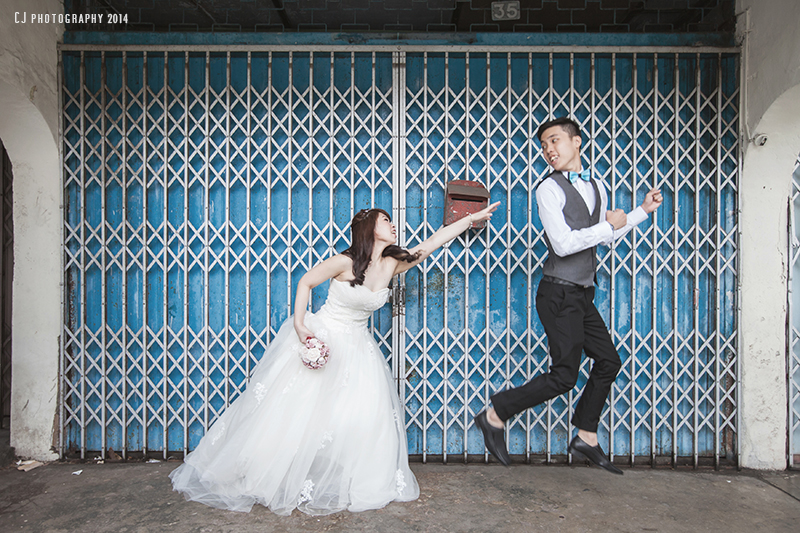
(579, 267)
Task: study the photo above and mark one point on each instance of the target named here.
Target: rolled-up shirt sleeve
(635, 217)
(565, 241)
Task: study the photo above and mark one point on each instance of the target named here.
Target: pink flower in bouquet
(314, 353)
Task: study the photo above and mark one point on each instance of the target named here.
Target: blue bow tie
(583, 174)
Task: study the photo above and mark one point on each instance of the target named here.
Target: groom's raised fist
(617, 218)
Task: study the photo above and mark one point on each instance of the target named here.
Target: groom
(572, 206)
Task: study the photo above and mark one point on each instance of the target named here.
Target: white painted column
(771, 105)
(36, 319)
(29, 110)
(765, 190)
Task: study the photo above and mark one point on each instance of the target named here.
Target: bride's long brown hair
(362, 233)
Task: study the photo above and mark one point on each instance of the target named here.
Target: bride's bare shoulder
(341, 259)
(344, 266)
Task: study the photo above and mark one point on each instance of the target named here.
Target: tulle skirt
(320, 440)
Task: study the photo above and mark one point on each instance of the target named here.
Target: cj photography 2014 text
(70, 18)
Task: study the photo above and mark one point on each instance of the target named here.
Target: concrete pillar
(29, 110)
(771, 106)
(765, 189)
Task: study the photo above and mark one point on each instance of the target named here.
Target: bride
(328, 439)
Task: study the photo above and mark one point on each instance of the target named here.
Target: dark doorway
(6, 276)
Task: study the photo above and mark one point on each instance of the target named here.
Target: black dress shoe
(494, 438)
(595, 454)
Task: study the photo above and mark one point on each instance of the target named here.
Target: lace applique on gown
(320, 440)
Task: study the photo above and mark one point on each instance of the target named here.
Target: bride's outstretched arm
(330, 268)
(445, 234)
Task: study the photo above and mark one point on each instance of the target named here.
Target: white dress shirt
(565, 241)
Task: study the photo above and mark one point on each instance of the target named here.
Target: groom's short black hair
(566, 123)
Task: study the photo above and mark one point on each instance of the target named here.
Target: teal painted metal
(427, 39)
(667, 291)
(200, 186)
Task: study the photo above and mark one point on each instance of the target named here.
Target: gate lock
(463, 197)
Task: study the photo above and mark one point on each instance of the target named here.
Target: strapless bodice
(353, 304)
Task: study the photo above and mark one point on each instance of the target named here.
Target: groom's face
(561, 151)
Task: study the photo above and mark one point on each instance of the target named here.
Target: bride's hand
(486, 213)
(303, 333)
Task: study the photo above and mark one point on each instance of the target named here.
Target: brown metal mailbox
(463, 197)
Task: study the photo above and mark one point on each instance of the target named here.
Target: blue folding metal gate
(200, 185)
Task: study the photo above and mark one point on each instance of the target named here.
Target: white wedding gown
(319, 440)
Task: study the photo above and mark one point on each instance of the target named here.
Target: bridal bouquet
(314, 353)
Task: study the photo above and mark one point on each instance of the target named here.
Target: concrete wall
(771, 52)
(29, 130)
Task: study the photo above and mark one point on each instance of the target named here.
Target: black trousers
(573, 325)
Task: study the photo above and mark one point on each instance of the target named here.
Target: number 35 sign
(508, 10)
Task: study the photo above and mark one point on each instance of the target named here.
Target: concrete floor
(138, 497)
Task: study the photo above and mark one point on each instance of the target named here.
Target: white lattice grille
(667, 290)
(200, 186)
(794, 318)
